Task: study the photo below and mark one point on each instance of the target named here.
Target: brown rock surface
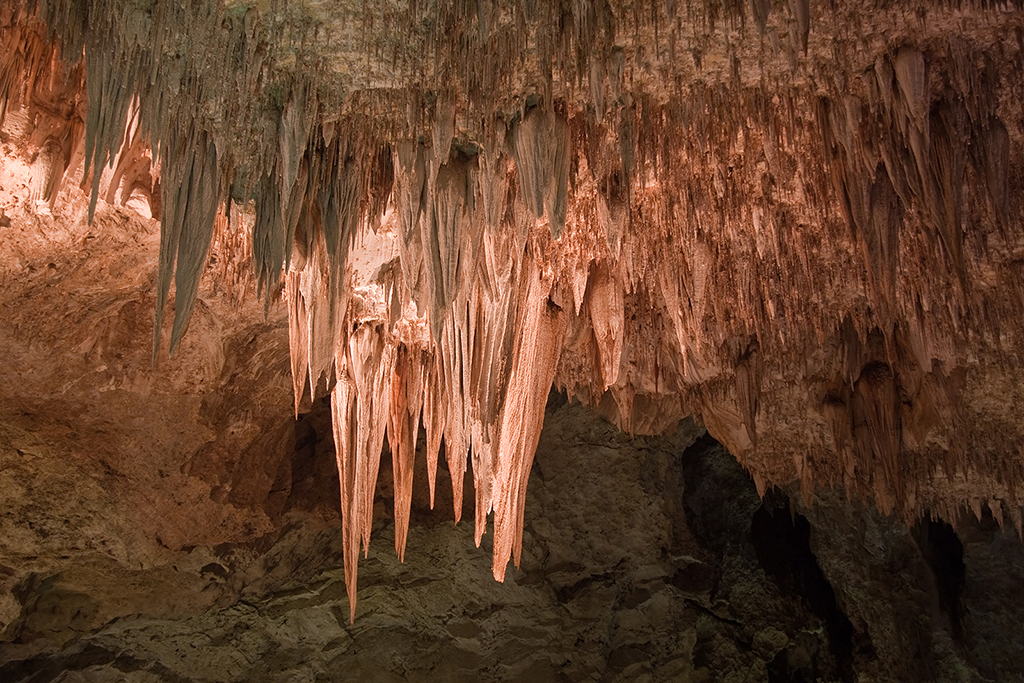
(797, 223)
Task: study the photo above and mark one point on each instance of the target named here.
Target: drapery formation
(808, 239)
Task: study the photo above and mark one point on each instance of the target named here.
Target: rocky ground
(644, 559)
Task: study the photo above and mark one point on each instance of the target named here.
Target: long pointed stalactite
(811, 241)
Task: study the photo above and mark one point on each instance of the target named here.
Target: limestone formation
(800, 223)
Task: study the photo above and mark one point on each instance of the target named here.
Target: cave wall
(804, 215)
(658, 561)
(797, 223)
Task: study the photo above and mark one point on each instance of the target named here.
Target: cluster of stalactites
(442, 316)
(658, 245)
(647, 281)
(58, 132)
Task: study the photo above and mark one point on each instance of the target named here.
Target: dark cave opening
(725, 513)
(308, 479)
(781, 539)
(944, 552)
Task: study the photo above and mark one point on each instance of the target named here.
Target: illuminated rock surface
(797, 224)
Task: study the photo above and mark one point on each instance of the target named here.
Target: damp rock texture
(798, 223)
(657, 562)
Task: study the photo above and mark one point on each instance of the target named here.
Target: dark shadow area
(309, 480)
(992, 594)
(720, 497)
(82, 658)
(944, 552)
(748, 534)
(781, 539)
(643, 559)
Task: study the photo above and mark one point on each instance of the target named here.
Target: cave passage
(781, 538)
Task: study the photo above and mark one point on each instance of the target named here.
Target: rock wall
(175, 523)
(655, 561)
(736, 244)
(798, 224)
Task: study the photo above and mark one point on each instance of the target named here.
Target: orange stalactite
(819, 238)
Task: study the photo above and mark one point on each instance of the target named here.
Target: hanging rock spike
(807, 244)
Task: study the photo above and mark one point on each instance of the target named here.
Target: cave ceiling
(798, 222)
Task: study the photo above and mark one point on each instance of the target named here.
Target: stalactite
(403, 430)
(733, 226)
(191, 197)
(540, 327)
